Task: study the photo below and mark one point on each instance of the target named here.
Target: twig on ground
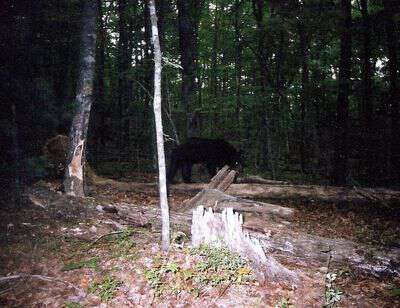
(102, 236)
(41, 277)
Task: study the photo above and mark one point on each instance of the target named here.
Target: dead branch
(6, 279)
(218, 201)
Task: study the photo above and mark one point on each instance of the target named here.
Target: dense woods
(290, 106)
(308, 89)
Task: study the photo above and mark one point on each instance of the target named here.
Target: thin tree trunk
(342, 113)
(367, 104)
(159, 129)
(266, 142)
(304, 42)
(98, 114)
(148, 60)
(123, 66)
(73, 179)
(189, 17)
(214, 73)
(391, 41)
(238, 61)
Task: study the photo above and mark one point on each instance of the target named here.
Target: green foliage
(125, 245)
(215, 267)
(72, 305)
(395, 292)
(218, 258)
(44, 84)
(106, 288)
(332, 294)
(284, 303)
(90, 263)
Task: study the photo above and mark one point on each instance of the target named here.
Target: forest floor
(62, 252)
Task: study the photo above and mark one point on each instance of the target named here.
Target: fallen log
(217, 200)
(287, 245)
(256, 179)
(278, 235)
(316, 193)
(313, 193)
(213, 197)
(302, 192)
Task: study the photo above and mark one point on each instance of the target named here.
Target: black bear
(214, 153)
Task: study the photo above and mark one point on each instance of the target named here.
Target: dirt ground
(65, 253)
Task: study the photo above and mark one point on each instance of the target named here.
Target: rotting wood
(287, 245)
(256, 179)
(275, 192)
(225, 229)
(216, 180)
(218, 200)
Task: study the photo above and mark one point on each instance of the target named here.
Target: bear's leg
(173, 168)
(187, 172)
(211, 167)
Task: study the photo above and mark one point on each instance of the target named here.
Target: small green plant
(218, 258)
(125, 245)
(283, 303)
(332, 294)
(91, 263)
(72, 305)
(395, 292)
(216, 267)
(105, 289)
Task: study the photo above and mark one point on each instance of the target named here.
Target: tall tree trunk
(304, 42)
(98, 113)
(340, 171)
(162, 8)
(123, 67)
(391, 41)
(367, 105)
(189, 12)
(214, 59)
(159, 129)
(148, 58)
(73, 179)
(262, 55)
(238, 61)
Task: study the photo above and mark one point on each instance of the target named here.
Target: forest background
(308, 90)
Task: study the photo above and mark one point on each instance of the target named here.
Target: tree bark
(123, 67)
(159, 129)
(304, 42)
(340, 171)
(391, 41)
(99, 112)
(262, 55)
(148, 62)
(189, 12)
(73, 179)
(367, 97)
(238, 61)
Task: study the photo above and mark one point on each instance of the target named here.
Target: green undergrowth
(72, 305)
(123, 246)
(106, 288)
(119, 245)
(211, 267)
(90, 263)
